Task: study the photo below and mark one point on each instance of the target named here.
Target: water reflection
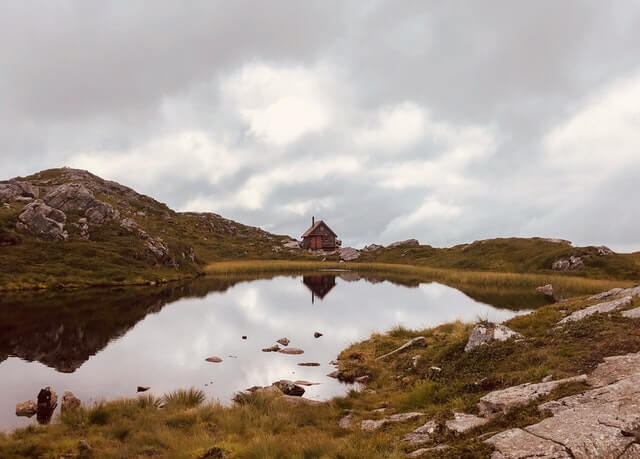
(103, 343)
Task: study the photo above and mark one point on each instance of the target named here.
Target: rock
(309, 364)
(274, 348)
(75, 198)
(556, 240)
(14, 190)
(84, 449)
(418, 341)
(214, 453)
(565, 264)
(424, 452)
(27, 409)
(47, 403)
(614, 369)
(292, 400)
(372, 248)
(291, 351)
(485, 333)
(302, 382)
(244, 336)
(546, 290)
(291, 245)
(597, 423)
(632, 313)
(372, 424)
(463, 422)
(349, 254)
(632, 452)
(600, 308)
(334, 374)
(422, 434)
(283, 341)
(410, 242)
(69, 402)
(289, 388)
(433, 373)
(214, 359)
(604, 251)
(346, 421)
(143, 388)
(362, 379)
(520, 444)
(128, 223)
(334, 363)
(607, 294)
(503, 401)
(43, 221)
(317, 335)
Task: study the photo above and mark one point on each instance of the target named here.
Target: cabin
(319, 237)
(319, 285)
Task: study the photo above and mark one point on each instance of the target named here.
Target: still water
(102, 344)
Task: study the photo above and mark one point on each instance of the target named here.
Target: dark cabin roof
(315, 227)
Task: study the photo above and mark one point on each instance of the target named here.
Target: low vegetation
(259, 425)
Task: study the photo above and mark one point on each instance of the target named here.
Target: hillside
(68, 227)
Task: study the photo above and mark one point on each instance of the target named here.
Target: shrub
(185, 397)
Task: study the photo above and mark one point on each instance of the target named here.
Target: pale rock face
(75, 198)
(409, 242)
(43, 221)
(487, 333)
(422, 434)
(372, 248)
(546, 290)
(567, 264)
(463, 422)
(14, 190)
(615, 368)
(349, 254)
(599, 308)
(375, 424)
(632, 313)
(520, 444)
(503, 401)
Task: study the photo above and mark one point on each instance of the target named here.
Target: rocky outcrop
(604, 251)
(503, 401)
(546, 290)
(617, 293)
(291, 244)
(600, 308)
(632, 313)
(418, 341)
(485, 333)
(463, 422)
(372, 248)
(408, 242)
(614, 369)
(75, 198)
(349, 254)
(567, 264)
(13, 190)
(374, 424)
(43, 221)
(422, 434)
(520, 444)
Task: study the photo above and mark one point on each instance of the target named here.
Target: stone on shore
(600, 308)
(546, 290)
(274, 348)
(27, 409)
(69, 402)
(349, 254)
(213, 359)
(289, 388)
(503, 401)
(283, 341)
(47, 403)
(485, 333)
(346, 421)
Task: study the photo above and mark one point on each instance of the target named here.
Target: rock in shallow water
(214, 359)
(27, 409)
(291, 351)
(69, 402)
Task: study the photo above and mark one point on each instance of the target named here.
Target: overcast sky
(446, 121)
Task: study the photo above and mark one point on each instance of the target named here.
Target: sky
(443, 121)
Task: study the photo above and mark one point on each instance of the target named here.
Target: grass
(261, 425)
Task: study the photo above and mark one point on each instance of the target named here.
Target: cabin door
(316, 242)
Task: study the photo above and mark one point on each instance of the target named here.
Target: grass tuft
(188, 398)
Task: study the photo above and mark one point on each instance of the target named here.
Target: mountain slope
(68, 227)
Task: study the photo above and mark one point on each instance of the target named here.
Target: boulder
(418, 341)
(349, 254)
(291, 245)
(69, 402)
(428, 452)
(47, 403)
(567, 264)
(372, 248)
(604, 251)
(463, 422)
(503, 401)
(485, 333)
(274, 348)
(291, 351)
(283, 341)
(375, 424)
(309, 364)
(632, 313)
(614, 369)
(317, 335)
(27, 409)
(422, 434)
(600, 308)
(43, 221)
(546, 290)
(213, 359)
(346, 421)
(409, 242)
(13, 190)
(289, 388)
(520, 444)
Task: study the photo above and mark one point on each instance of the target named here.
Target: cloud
(394, 128)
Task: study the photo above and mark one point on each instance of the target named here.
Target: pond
(103, 343)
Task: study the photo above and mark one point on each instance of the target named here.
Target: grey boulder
(485, 333)
(43, 221)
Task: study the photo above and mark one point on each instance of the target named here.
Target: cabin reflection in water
(319, 285)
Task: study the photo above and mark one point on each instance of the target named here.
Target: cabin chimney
(313, 220)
